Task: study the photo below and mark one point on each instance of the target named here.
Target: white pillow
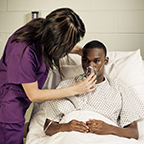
(125, 66)
(129, 69)
(71, 66)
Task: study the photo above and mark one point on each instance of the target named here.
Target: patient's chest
(106, 100)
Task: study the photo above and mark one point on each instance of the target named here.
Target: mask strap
(101, 67)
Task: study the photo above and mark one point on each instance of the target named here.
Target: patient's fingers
(93, 122)
(98, 127)
(75, 125)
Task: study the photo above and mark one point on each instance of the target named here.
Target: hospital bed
(125, 66)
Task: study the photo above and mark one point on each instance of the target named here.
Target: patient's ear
(106, 60)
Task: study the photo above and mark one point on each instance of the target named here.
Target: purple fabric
(16, 69)
(11, 133)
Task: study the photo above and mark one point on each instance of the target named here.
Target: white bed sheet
(36, 134)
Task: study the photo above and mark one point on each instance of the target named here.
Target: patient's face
(95, 58)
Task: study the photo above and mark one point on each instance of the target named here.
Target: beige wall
(119, 24)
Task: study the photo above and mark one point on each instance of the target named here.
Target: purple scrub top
(16, 69)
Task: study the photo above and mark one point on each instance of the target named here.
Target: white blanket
(37, 136)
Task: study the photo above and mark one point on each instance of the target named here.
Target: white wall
(119, 24)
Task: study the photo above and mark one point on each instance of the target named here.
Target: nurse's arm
(77, 50)
(37, 95)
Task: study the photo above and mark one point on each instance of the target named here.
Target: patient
(112, 99)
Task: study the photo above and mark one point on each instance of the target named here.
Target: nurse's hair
(58, 33)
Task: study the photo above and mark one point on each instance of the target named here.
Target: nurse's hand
(77, 50)
(85, 86)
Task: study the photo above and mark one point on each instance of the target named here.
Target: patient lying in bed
(113, 107)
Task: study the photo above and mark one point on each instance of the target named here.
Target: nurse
(28, 55)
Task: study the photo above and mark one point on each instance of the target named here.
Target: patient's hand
(98, 127)
(102, 128)
(75, 125)
(92, 126)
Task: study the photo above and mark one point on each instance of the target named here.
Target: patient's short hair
(95, 44)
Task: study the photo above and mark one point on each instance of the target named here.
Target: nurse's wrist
(72, 90)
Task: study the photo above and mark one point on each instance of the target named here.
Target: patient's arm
(73, 125)
(102, 128)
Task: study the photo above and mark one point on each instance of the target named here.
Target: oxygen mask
(90, 70)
